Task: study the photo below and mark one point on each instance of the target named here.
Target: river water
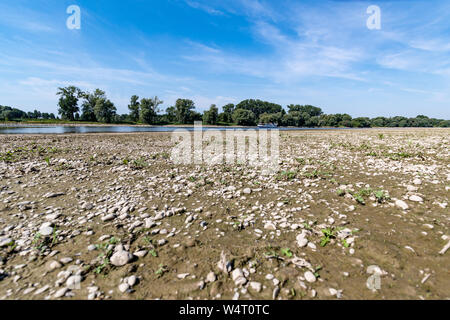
(120, 129)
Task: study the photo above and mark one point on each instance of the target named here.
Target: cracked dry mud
(109, 216)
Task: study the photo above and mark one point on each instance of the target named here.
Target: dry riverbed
(109, 216)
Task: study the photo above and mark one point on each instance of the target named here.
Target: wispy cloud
(204, 7)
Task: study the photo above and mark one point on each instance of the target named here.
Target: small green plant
(161, 270)
(300, 161)
(340, 192)
(139, 163)
(361, 194)
(380, 136)
(381, 196)
(308, 226)
(345, 243)
(287, 252)
(316, 271)
(125, 161)
(287, 175)
(293, 292)
(47, 160)
(328, 234)
(153, 253)
(105, 254)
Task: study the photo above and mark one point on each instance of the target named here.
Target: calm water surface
(119, 129)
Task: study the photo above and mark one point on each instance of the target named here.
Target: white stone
(401, 204)
(310, 277)
(415, 198)
(121, 258)
(256, 286)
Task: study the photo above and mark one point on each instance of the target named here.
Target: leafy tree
(68, 101)
(88, 106)
(275, 118)
(308, 109)
(149, 110)
(258, 107)
(211, 116)
(361, 122)
(444, 124)
(227, 115)
(134, 108)
(171, 115)
(104, 110)
(184, 111)
(244, 117)
(312, 121)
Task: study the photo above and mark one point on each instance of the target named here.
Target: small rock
(270, 226)
(132, 280)
(73, 282)
(53, 265)
(310, 277)
(401, 204)
(415, 198)
(256, 286)
(61, 292)
(123, 287)
(121, 258)
(211, 277)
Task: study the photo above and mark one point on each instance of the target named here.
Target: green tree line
(77, 105)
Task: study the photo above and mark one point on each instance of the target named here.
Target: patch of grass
(287, 252)
(316, 271)
(41, 242)
(328, 234)
(382, 196)
(345, 243)
(153, 253)
(105, 254)
(161, 270)
(139, 163)
(361, 194)
(287, 175)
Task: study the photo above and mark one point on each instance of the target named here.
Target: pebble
(132, 280)
(270, 226)
(61, 292)
(238, 277)
(310, 277)
(121, 258)
(256, 286)
(123, 287)
(415, 198)
(401, 204)
(52, 265)
(73, 282)
(5, 242)
(211, 277)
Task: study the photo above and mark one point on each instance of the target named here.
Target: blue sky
(217, 51)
